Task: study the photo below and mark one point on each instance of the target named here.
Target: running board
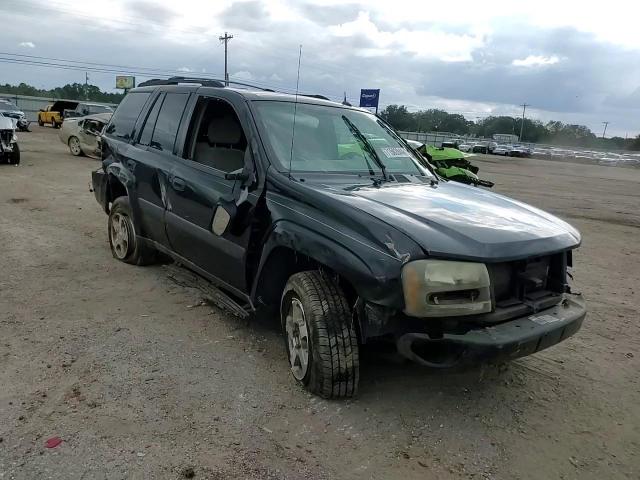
(186, 278)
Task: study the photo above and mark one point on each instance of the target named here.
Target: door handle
(178, 184)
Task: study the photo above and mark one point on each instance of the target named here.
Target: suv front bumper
(505, 341)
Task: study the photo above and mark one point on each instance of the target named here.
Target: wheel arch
(291, 248)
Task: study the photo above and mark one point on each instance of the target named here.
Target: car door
(153, 159)
(197, 187)
(88, 138)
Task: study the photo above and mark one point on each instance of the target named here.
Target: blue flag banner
(369, 98)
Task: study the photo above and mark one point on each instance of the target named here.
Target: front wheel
(320, 337)
(40, 122)
(125, 246)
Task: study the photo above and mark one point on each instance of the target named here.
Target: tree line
(552, 132)
(71, 91)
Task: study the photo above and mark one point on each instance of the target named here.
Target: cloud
(27, 44)
(483, 59)
(536, 61)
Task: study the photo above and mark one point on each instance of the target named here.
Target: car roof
(102, 117)
(251, 94)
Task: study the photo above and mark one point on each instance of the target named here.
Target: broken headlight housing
(445, 288)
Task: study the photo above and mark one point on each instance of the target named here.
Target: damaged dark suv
(323, 214)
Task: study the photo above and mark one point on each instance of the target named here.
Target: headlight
(443, 288)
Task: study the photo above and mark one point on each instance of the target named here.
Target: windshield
(334, 139)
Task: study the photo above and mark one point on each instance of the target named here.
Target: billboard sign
(369, 98)
(125, 81)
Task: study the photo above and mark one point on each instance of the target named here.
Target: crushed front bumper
(506, 341)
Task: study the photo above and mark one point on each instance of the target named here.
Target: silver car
(81, 134)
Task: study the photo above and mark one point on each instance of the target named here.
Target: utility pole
(86, 86)
(524, 108)
(226, 39)
(605, 128)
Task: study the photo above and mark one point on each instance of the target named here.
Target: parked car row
(488, 147)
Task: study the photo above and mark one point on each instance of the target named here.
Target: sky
(577, 62)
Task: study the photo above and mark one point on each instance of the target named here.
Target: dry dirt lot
(142, 381)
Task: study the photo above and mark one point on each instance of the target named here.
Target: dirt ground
(142, 381)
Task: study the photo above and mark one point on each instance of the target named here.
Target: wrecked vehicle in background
(82, 134)
(451, 163)
(349, 241)
(11, 110)
(9, 149)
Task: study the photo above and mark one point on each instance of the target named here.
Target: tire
(40, 122)
(14, 157)
(325, 329)
(122, 238)
(74, 146)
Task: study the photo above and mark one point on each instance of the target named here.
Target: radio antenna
(295, 111)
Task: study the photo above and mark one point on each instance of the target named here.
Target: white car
(502, 150)
(465, 147)
(81, 134)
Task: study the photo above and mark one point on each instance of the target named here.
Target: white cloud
(429, 43)
(243, 75)
(27, 44)
(536, 61)
(185, 69)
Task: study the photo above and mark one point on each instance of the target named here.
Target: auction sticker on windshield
(394, 152)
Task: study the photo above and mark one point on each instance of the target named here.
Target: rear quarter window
(126, 115)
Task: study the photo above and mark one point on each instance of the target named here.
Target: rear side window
(147, 130)
(166, 129)
(124, 119)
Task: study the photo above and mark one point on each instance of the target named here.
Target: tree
(73, 91)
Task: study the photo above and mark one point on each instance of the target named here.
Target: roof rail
(311, 95)
(205, 82)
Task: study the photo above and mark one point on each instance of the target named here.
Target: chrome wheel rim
(297, 339)
(74, 145)
(120, 232)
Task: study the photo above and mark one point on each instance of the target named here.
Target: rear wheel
(122, 236)
(74, 146)
(321, 341)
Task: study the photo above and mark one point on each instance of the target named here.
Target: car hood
(459, 221)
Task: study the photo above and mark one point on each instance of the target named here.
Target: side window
(125, 116)
(147, 130)
(216, 137)
(166, 129)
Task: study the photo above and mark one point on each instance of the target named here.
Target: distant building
(505, 137)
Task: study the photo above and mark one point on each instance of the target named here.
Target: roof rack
(205, 82)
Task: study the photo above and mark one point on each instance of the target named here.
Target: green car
(451, 163)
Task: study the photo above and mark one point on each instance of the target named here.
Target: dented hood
(459, 221)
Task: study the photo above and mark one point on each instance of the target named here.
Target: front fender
(375, 275)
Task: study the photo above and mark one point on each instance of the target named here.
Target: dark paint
(362, 232)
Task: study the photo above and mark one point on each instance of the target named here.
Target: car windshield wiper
(366, 145)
